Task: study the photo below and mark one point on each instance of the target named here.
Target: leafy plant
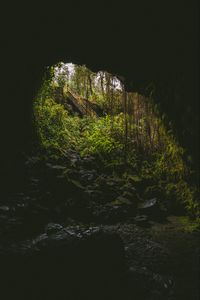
(134, 143)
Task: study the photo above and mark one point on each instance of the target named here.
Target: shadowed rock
(72, 263)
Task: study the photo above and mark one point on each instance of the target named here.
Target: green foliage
(137, 143)
(187, 224)
(102, 138)
(59, 131)
(56, 130)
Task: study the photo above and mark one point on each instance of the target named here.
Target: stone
(72, 263)
(147, 204)
(141, 220)
(52, 228)
(4, 208)
(152, 209)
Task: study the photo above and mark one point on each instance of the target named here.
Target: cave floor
(162, 257)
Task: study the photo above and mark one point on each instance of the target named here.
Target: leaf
(135, 178)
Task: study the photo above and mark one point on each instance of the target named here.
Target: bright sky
(70, 67)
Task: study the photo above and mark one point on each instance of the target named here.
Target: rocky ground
(75, 232)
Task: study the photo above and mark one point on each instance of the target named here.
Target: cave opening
(98, 191)
(110, 146)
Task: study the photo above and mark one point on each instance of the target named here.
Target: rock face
(70, 263)
(27, 55)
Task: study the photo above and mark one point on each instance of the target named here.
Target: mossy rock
(119, 201)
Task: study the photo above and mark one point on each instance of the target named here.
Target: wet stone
(4, 208)
(53, 228)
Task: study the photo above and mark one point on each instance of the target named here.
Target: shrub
(56, 129)
(102, 138)
(151, 157)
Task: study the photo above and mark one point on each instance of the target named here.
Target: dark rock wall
(141, 42)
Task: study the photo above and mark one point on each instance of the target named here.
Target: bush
(157, 165)
(103, 138)
(56, 129)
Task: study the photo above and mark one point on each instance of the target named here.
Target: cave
(151, 47)
(145, 45)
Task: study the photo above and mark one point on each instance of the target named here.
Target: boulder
(152, 209)
(64, 263)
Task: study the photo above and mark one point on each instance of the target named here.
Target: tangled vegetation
(130, 139)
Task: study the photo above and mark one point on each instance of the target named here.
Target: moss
(187, 224)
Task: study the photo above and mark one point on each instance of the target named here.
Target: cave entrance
(109, 145)
(74, 92)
